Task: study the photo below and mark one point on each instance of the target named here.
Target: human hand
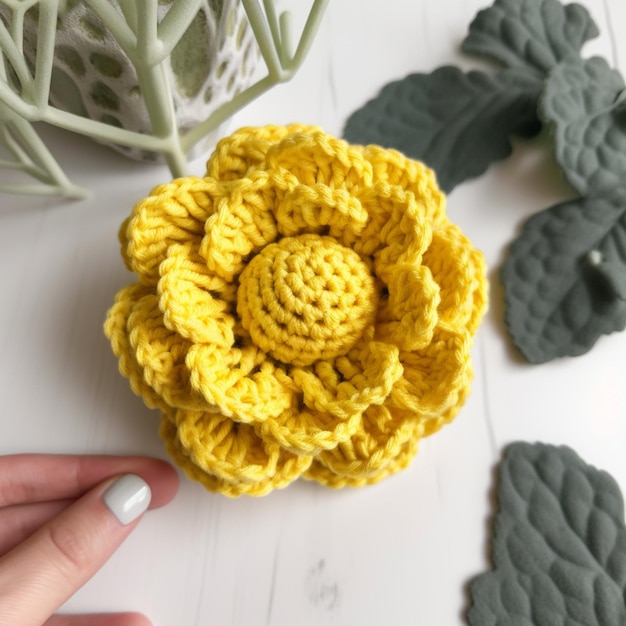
(61, 518)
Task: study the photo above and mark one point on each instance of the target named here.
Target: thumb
(41, 573)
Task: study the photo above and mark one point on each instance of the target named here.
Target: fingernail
(127, 498)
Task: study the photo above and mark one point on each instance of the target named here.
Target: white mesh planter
(152, 78)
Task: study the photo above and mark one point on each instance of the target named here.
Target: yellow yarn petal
(397, 230)
(385, 445)
(116, 331)
(435, 377)
(305, 431)
(480, 293)
(229, 457)
(242, 223)
(161, 354)
(434, 423)
(393, 168)
(407, 315)
(196, 303)
(396, 238)
(318, 158)
(319, 209)
(245, 150)
(367, 377)
(239, 382)
(460, 274)
(173, 213)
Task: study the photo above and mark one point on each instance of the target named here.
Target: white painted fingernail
(128, 497)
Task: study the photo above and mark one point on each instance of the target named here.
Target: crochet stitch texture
(305, 309)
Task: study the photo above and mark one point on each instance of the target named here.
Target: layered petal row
(305, 309)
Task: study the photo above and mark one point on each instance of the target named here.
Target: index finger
(26, 478)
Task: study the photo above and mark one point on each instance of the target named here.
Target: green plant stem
(14, 58)
(308, 34)
(171, 28)
(100, 130)
(17, 28)
(286, 38)
(263, 35)
(130, 9)
(43, 63)
(224, 112)
(272, 21)
(159, 103)
(120, 30)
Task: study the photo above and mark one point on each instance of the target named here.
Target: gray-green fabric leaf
(457, 123)
(565, 277)
(533, 35)
(582, 102)
(559, 544)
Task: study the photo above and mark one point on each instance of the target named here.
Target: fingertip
(136, 619)
(100, 619)
(127, 497)
(164, 482)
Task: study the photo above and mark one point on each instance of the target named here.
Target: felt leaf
(530, 34)
(583, 103)
(565, 277)
(559, 545)
(457, 123)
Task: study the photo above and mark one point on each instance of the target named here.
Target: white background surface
(400, 552)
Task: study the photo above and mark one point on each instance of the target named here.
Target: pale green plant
(147, 41)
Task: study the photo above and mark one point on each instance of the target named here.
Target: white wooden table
(400, 552)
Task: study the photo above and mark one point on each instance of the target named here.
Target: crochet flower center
(306, 298)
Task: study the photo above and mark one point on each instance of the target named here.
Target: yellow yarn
(306, 298)
(305, 309)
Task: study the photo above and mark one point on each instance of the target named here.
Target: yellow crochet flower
(306, 309)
